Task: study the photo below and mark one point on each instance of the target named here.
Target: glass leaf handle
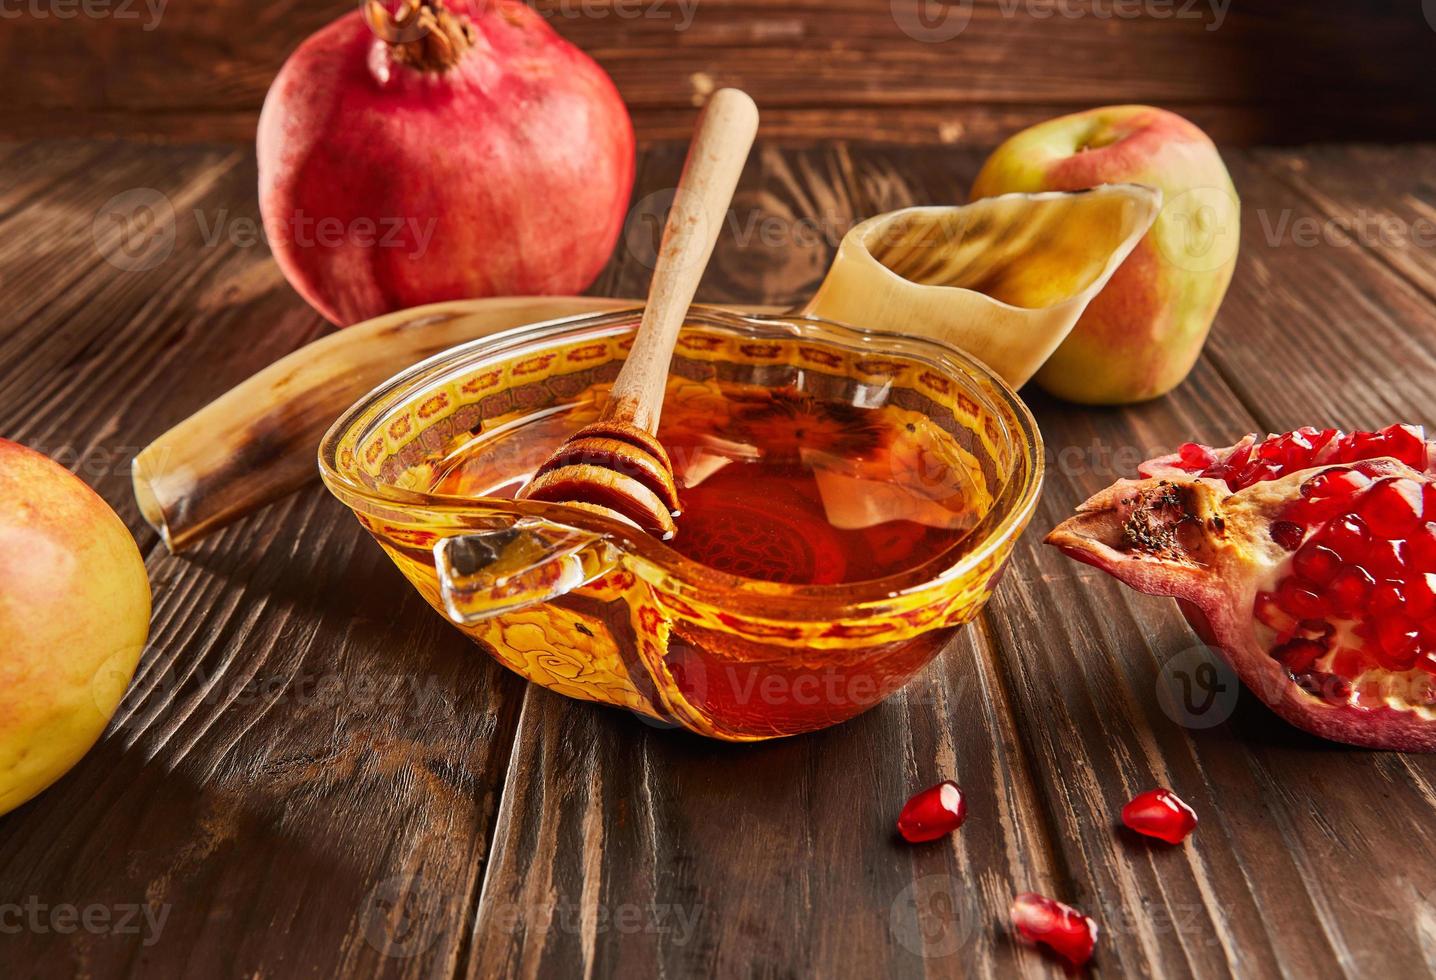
(489, 572)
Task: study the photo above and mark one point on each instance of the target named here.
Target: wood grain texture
(313, 775)
(914, 71)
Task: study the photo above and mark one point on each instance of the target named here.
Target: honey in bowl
(848, 500)
(776, 484)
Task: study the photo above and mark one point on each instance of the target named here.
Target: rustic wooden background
(314, 775)
(913, 71)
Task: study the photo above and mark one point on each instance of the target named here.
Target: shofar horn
(257, 442)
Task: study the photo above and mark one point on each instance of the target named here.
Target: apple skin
(1142, 333)
(74, 617)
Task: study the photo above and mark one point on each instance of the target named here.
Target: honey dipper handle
(721, 142)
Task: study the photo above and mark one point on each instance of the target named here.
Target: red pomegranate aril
(1348, 536)
(1399, 637)
(1386, 559)
(1423, 544)
(1160, 813)
(1301, 602)
(935, 812)
(1349, 589)
(1393, 508)
(1061, 928)
(1316, 563)
(1334, 483)
(1404, 442)
(1297, 655)
(1387, 598)
(1270, 614)
(1195, 457)
(1288, 534)
(1421, 597)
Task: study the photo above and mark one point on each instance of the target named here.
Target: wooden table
(313, 775)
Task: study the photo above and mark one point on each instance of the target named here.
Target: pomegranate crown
(422, 34)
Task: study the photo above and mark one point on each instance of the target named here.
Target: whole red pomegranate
(1308, 559)
(440, 152)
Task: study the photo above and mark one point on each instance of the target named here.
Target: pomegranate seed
(1316, 563)
(1399, 637)
(1287, 534)
(933, 813)
(1421, 597)
(1349, 589)
(1405, 442)
(1387, 559)
(1388, 597)
(1392, 508)
(1348, 537)
(1299, 654)
(1065, 930)
(1423, 542)
(1160, 813)
(1269, 613)
(1196, 457)
(1348, 662)
(1300, 601)
(1338, 482)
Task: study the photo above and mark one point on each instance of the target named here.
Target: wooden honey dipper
(616, 466)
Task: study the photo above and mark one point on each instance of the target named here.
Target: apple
(1142, 333)
(74, 617)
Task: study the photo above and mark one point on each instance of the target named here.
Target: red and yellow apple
(74, 617)
(1142, 333)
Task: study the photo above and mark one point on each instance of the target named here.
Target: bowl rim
(1012, 510)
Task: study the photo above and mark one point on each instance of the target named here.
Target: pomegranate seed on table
(935, 812)
(1059, 927)
(1160, 813)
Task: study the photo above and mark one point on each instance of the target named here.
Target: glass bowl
(596, 610)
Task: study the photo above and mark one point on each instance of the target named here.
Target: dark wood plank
(902, 70)
(305, 772)
(1377, 198)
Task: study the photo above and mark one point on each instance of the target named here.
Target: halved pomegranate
(1308, 559)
